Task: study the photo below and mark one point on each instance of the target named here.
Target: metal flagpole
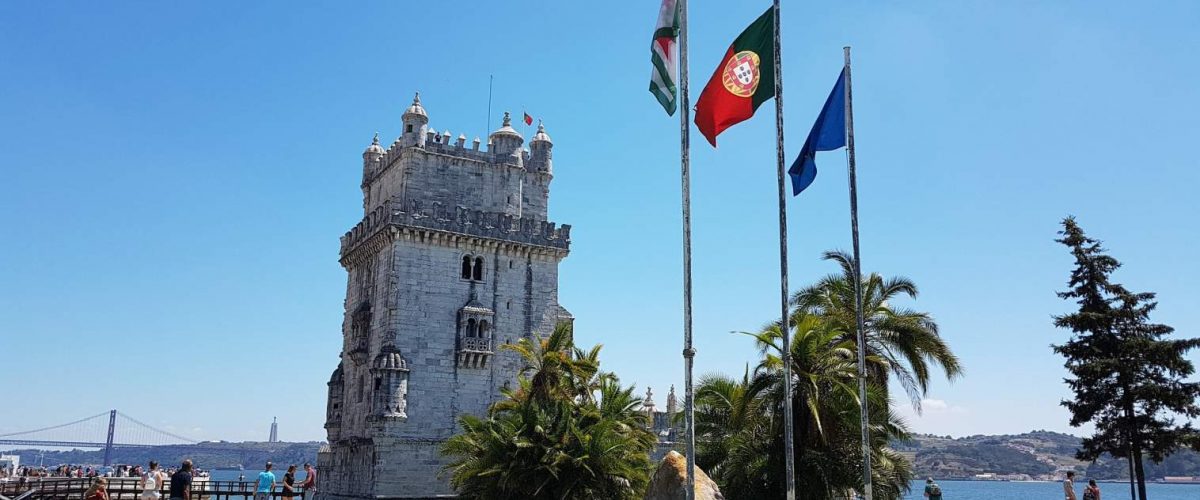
(858, 299)
(689, 353)
(789, 453)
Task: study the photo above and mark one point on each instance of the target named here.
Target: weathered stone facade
(454, 257)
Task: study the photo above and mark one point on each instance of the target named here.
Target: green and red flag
(744, 79)
(662, 56)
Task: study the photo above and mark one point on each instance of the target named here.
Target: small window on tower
(510, 264)
(477, 275)
(408, 129)
(378, 382)
(466, 267)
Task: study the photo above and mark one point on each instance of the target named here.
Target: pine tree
(1129, 380)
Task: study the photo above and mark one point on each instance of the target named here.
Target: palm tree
(903, 343)
(740, 429)
(567, 431)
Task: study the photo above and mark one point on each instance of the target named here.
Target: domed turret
(374, 149)
(541, 135)
(506, 141)
(390, 359)
(371, 159)
(540, 155)
(390, 371)
(415, 123)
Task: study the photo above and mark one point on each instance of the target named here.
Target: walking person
(181, 482)
(152, 481)
(1069, 486)
(1091, 491)
(266, 484)
(289, 482)
(310, 480)
(98, 490)
(932, 490)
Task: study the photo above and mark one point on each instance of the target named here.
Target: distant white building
(10, 463)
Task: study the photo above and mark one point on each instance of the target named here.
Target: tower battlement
(457, 221)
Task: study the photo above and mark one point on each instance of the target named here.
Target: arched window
(471, 327)
(478, 274)
(484, 329)
(466, 267)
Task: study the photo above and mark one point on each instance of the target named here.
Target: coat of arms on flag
(741, 73)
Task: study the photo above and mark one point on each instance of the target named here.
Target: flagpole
(858, 299)
(689, 353)
(789, 453)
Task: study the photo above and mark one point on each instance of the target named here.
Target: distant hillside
(1033, 455)
(249, 455)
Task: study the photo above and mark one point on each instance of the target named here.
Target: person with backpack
(932, 490)
(1091, 491)
(152, 482)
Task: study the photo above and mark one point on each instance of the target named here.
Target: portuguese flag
(744, 79)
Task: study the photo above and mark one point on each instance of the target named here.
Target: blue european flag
(828, 134)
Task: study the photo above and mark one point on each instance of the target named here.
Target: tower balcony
(474, 352)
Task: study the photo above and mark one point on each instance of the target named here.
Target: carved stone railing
(474, 352)
(480, 344)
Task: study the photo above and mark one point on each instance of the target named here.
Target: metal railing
(129, 488)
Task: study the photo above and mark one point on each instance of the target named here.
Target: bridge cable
(57, 426)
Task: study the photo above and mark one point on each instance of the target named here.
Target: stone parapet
(459, 220)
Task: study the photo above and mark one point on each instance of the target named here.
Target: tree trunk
(1132, 475)
(1141, 473)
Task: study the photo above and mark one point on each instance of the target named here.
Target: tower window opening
(471, 328)
(361, 382)
(477, 275)
(408, 129)
(466, 267)
(510, 264)
(378, 383)
(483, 329)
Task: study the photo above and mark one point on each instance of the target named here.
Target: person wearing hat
(266, 484)
(932, 490)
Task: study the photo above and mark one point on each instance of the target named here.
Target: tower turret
(506, 141)
(540, 151)
(371, 158)
(416, 122)
(390, 371)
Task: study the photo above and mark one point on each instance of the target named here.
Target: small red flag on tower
(528, 119)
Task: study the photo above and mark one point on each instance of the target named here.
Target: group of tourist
(181, 481)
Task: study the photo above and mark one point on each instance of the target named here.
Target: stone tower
(453, 258)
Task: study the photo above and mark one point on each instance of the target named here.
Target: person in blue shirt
(266, 484)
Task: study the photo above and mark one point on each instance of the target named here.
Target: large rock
(670, 481)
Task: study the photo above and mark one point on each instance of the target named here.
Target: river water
(951, 490)
(1001, 490)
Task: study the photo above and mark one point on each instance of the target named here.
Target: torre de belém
(454, 257)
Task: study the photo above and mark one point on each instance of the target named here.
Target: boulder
(670, 481)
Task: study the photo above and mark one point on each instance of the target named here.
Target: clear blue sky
(175, 178)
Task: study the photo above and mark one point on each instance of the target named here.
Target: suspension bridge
(108, 430)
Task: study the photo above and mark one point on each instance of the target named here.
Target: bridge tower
(108, 444)
(454, 257)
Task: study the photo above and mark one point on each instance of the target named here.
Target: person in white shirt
(1069, 486)
(152, 481)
